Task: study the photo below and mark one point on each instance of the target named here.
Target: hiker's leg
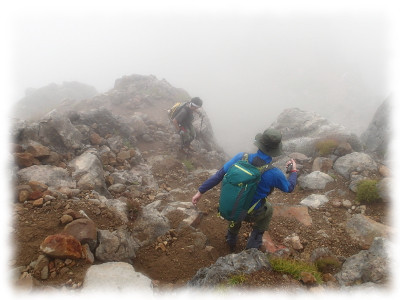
(232, 234)
(261, 223)
(192, 133)
(185, 137)
(255, 239)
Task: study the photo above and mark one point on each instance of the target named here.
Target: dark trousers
(260, 219)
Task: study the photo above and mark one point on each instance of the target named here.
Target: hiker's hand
(293, 162)
(196, 198)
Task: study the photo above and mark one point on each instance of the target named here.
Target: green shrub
(188, 165)
(327, 264)
(236, 279)
(367, 191)
(294, 268)
(326, 146)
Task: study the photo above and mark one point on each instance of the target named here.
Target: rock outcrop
(379, 132)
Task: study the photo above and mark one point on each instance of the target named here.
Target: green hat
(269, 142)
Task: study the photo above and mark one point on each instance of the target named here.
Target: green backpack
(238, 188)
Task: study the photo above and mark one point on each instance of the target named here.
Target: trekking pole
(201, 123)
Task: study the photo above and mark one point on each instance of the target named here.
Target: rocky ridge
(99, 185)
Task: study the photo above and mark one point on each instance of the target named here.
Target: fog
(247, 63)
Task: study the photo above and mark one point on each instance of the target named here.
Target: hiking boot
(255, 239)
(231, 240)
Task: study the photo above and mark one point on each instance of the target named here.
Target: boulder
(314, 181)
(364, 230)
(370, 265)
(377, 136)
(62, 246)
(301, 130)
(49, 175)
(246, 262)
(57, 132)
(116, 246)
(88, 171)
(116, 277)
(84, 230)
(314, 201)
(354, 162)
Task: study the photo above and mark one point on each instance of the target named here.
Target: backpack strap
(265, 168)
(262, 168)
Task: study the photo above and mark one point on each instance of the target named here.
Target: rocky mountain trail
(105, 173)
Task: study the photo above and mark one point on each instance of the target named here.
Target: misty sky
(247, 63)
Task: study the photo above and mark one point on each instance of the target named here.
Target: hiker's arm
(215, 179)
(212, 181)
(208, 184)
(219, 175)
(292, 181)
(278, 179)
(175, 122)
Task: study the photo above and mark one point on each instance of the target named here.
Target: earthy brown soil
(179, 262)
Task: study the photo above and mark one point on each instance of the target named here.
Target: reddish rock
(95, 139)
(17, 148)
(84, 230)
(35, 195)
(384, 171)
(23, 196)
(123, 155)
(343, 149)
(38, 150)
(38, 186)
(269, 244)
(322, 164)
(62, 246)
(25, 160)
(299, 212)
(307, 278)
(38, 203)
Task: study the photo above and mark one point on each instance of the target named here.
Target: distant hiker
(183, 119)
(269, 145)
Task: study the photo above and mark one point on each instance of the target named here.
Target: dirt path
(180, 260)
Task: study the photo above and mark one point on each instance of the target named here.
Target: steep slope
(122, 170)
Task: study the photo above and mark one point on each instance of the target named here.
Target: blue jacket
(273, 178)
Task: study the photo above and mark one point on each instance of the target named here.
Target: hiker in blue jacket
(269, 145)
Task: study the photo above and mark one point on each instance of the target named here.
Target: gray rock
(247, 261)
(117, 188)
(385, 186)
(314, 181)
(88, 171)
(57, 131)
(51, 176)
(302, 129)
(377, 136)
(314, 200)
(366, 266)
(363, 230)
(354, 162)
(151, 223)
(116, 277)
(116, 246)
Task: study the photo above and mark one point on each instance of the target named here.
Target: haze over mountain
(246, 63)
